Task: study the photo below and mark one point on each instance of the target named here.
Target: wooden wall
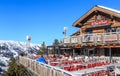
(114, 22)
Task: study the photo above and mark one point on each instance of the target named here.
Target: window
(113, 30)
(90, 32)
(99, 17)
(108, 30)
(118, 29)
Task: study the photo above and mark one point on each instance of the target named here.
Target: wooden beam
(110, 46)
(77, 46)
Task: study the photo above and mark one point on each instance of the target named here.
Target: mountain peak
(15, 47)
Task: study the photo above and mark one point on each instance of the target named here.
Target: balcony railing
(94, 39)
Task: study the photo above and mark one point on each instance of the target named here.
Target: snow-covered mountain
(14, 48)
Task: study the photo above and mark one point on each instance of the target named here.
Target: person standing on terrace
(41, 59)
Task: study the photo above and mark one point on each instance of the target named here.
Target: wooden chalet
(98, 34)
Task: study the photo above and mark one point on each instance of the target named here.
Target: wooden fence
(41, 69)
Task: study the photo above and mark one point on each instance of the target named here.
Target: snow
(109, 9)
(4, 60)
(14, 48)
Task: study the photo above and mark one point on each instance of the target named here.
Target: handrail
(42, 69)
(97, 38)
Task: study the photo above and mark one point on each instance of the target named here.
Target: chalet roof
(109, 9)
(99, 8)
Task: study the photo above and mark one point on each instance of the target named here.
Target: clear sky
(43, 20)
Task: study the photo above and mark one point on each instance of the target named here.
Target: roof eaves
(82, 17)
(78, 23)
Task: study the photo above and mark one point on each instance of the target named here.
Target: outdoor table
(76, 64)
(55, 62)
(90, 70)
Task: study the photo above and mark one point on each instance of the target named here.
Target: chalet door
(91, 52)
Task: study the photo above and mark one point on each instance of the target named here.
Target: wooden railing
(41, 69)
(94, 39)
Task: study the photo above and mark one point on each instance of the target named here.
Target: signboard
(74, 39)
(87, 38)
(99, 37)
(119, 36)
(66, 40)
(99, 22)
(110, 38)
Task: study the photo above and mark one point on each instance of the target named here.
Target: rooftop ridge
(114, 10)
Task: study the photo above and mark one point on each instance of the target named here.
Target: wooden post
(99, 52)
(47, 51)
(73, 53)
(84, 52)
(103, 39)
(88, 52)
(110, 54)
(54, 50)
(58, 51)
(94, 52)
(118, 38)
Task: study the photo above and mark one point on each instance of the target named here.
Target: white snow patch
(109, 9)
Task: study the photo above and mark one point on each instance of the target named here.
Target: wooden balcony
(93, 39)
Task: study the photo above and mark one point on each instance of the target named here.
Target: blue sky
(43, 20)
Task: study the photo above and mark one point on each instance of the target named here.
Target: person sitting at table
(70, 58)
(41, 59)
(54, 58)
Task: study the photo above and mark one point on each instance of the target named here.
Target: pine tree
(56, 42)
(39, 52)
(15, 69)
(43, 48)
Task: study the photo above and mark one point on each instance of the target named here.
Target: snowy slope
(14, 48)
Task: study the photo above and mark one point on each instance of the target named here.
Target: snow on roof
(109, 9)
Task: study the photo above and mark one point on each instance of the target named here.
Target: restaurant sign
(99, 22)
(110, 38)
